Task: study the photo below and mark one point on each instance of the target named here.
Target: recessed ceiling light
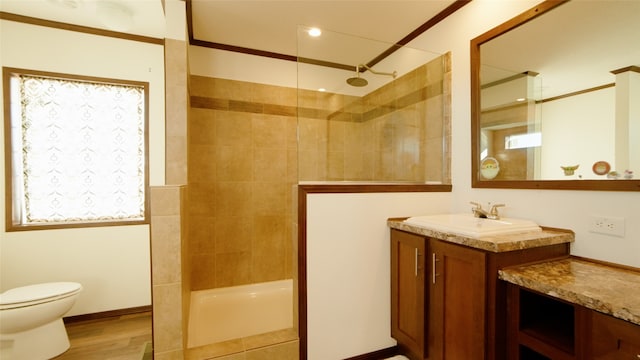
(520, 99)
(315, 32)
(322, 89)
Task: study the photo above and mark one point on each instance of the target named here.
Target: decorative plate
(489, 168)
(601, 168)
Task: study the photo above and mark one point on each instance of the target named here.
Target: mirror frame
(476, 182)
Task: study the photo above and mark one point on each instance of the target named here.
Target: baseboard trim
(107, 314)
(377, 355)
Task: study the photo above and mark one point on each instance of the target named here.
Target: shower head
(360, 82)
(357, 81)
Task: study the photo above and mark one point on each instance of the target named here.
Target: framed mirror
(555, 99)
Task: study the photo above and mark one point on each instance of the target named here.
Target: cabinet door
(457, 302)
(614, 339)
(408, 293)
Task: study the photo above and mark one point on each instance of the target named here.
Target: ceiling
(264, 26)
(139, 17)
(273, 26)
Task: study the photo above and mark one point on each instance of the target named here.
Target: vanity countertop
(495, 243)
(608, 289)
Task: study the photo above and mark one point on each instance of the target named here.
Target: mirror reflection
(559, 96)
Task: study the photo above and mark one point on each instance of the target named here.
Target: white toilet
(31, 326)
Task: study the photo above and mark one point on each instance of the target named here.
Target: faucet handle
(494, 209)
(477, 205)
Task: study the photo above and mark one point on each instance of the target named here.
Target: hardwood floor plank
(115, 338)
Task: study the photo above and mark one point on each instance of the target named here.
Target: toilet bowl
(31, 326)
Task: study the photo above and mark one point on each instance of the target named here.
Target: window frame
(10, 209)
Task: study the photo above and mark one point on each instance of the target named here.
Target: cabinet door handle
(434, 259)
(416, 268)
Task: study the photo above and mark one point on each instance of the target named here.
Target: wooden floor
(115, 338)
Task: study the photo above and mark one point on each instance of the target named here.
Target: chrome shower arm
(393, 74)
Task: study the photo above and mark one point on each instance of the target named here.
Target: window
(522, 141)
(78, 150)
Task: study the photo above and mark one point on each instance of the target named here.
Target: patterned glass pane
(83, 150)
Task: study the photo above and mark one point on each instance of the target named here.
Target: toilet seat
(38, 293)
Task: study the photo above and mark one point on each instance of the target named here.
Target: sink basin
(470, 226)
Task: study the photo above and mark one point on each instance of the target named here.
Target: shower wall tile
(165, 257)
(232, 163)
(233, 129)
(232, 234)
(203, 265)
(248, 133)
(227, 350)
(202, 127)
(202, 198)
(169, 355)
(269, 198)
(202, 167)
(269, 164)
(271, 235)
(233, 269)
(167, 318)
(176, 111)
(233, 198)
(269, 131)
(286, 351)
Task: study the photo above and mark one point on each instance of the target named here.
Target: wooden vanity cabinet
(408, 293)
(543, 327)
(613, 339)
(463, 314)
(456, 302)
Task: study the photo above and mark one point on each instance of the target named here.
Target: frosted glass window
(78, 151)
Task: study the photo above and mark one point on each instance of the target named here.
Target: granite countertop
(607, 289)
(495, 243)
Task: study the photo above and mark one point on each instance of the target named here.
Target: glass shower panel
(394, 127)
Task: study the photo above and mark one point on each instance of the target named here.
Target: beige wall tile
(202, 199)
(269, 198)
(202, 126)
(166, 247)
(271, 338)
(201, 236)
(203, 271)
(269, 131)
(286, 351)
(233, 198)
(233, 234)
(268, 248)
(169, 355)
(233, 163)
(165, 200)
(233, 129)
(269, 164)
(167, 317)
(228, 350)
(233, 269)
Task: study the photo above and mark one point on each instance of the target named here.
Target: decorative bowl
(569, 170)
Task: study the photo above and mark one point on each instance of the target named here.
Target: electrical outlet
(607, 225)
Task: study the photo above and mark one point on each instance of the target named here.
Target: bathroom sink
(470, 226)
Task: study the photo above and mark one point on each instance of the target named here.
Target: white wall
(578, 130)
(112, 263)
(348, 268)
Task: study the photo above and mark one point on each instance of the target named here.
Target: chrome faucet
(492, 214)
